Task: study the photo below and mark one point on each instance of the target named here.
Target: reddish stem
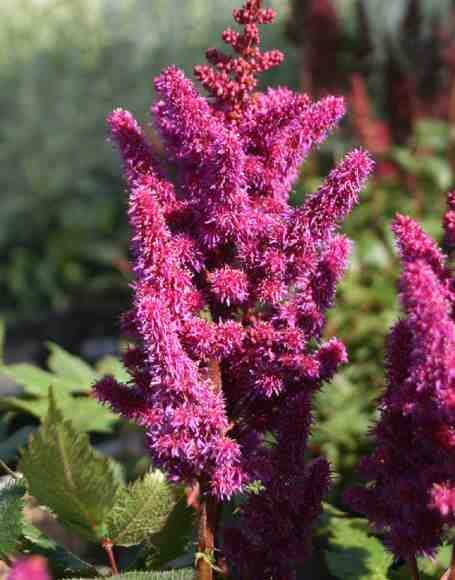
(108, 548)
(208, 507)
(215, 375)
(208, 521)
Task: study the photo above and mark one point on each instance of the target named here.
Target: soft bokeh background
(64, 64)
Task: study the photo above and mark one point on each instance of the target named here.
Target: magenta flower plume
(269, 538)
(233, 80)
(232, 284)
(411, 477)
(33, 568)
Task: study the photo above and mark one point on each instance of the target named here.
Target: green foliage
(18, 535)
(172, 575)
(433, 569)
(71, 367)
(342, 420)
(353, 553)
(82, 488)
(110, 365)
(11, 508)
(432, 135)
(71, 379)
(140, 510)
(64, 64)
(64, 473)
(175, 538)
(61, 561)
(10, 443)
(87, 494)
(36, 381)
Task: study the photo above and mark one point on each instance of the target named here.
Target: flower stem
(208, 507)
(108, 548)
(412, 562)
(208, 521)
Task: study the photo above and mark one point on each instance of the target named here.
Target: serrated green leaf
(66, 474)
(140, 510)
(187, 574)
(36, 381)
(86, 413)
(354, 554)
(36, 407)
(71, 367)
(61, 561)
(173, 540)
(11, 517)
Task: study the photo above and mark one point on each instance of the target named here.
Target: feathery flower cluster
(411, 490)
(231, 81)
(231, 287)
(33, 568)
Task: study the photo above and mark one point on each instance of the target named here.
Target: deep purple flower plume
(411, 490)
(232, 284)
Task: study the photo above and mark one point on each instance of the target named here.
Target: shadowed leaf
(66, 474)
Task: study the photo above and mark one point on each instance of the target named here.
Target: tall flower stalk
(410, 494)
(230, 292)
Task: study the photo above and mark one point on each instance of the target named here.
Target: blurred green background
(64, 64)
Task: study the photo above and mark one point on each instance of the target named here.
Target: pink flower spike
(326, 208)
(231, 289)
(229, 286)
(414, 244)
(134, 149)
(33, 568)
(409, 493)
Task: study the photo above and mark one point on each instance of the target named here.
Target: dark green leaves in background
(71, 380)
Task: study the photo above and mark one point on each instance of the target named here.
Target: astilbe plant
(411, 491)
(230, 292)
